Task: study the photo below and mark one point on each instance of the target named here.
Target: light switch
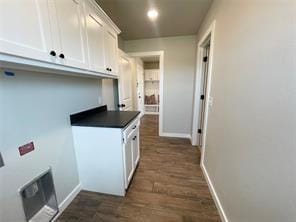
(1, 161)
(211, 100)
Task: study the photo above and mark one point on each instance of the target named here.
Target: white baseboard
(214, 194)
(66, 202)
(176, 135)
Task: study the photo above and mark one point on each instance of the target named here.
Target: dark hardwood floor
(168, 186)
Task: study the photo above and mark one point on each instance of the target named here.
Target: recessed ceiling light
(152, 14)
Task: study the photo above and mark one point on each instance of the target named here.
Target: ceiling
(176, 17)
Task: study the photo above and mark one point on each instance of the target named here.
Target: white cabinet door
(25, 29)
(125, 83)
(111, 49)
(152, 75)
(136, 148)
(95, 36)
(72, 33)
(128, 160)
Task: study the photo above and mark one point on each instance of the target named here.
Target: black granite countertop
(101, 117)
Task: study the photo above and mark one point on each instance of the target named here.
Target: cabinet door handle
(53, 53)
(121, 105)
(134, 127)
(135, 137)
(62, 56)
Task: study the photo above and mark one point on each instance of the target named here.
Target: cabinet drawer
(131, 128)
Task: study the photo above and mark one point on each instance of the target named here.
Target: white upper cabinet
(71, 33)
(25, 29)
(111, 49)
(95, 37)
(74, 33)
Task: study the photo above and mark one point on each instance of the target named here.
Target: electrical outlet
(1, 161)
(100, 100)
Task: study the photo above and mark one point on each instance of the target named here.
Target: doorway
(203, 92)
(149, 82)
(140, 88)
(202, 98)
(151, 85)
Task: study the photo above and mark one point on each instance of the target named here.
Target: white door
(125, 83)
(95, 37)
(72, 33)
(128, 160)
(25, 29)
(140, 88)
(136, 148)
(111, 50)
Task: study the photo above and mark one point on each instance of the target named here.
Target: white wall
(108, 94)
(251, 140)
(36, 107)
(179, 69)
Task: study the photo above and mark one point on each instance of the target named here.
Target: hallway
(168, 186)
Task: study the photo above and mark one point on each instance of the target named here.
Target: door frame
(208, 36)
(142, 90)
(161, 72)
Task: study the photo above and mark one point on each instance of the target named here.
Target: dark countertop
(100, 117)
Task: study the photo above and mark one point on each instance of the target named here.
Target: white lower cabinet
(107, 157)
(128, 161)
(136, 148)
(131, 155)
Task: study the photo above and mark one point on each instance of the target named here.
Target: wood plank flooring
(168, 186)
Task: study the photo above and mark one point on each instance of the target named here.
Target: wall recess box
(27, 148)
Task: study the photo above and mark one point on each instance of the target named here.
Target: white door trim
(161, 71)
(210, 33)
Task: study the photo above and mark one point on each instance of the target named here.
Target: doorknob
(121, 105)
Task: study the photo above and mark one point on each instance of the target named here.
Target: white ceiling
(176, 17)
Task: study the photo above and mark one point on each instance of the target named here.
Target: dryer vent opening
(39, 199)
